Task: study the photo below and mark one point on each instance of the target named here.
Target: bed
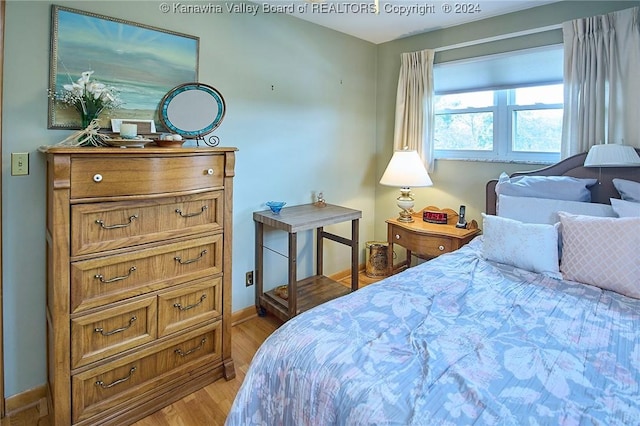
(468, 339)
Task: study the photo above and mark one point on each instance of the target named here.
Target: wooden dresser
(138, 278)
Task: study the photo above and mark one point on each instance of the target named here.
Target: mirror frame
(181, 89)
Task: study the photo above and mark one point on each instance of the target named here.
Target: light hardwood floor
(210, 405)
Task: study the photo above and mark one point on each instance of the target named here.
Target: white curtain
(414, 105)
(602, 81)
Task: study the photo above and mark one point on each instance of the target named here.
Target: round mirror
(192, 110)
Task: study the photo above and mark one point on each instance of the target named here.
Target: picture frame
(121, 54)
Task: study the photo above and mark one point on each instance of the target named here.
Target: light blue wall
(314, 131)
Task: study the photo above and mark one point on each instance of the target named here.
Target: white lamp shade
(612, 155)
(406, 169)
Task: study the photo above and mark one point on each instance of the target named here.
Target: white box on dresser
(138, 278)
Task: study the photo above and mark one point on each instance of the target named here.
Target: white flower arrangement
(90, 98)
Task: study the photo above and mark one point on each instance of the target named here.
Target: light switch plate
(19, 163)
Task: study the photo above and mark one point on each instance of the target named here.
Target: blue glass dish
(275, 206)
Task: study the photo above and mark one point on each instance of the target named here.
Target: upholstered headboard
(573, 166)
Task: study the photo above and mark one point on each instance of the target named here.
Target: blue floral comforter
(454, 341)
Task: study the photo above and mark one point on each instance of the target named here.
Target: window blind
(530, 67)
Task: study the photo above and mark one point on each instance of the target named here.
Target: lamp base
(405, 216)
(406, 203)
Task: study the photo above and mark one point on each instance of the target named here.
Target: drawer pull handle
(97, 178)
(441, 248)
(202, 210)
(117, 330)
(186, 308)
(186, 262)
(117, 382)
(397, 236)
(111, 280)
(124, 225)
(209, 172)
(200, 346)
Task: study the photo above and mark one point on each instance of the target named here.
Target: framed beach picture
(138, 63)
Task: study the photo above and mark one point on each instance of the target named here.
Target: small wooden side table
(304, 294)
(428, 240)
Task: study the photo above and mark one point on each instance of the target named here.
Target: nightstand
(428, 240)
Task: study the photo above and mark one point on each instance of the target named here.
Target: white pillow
(545, 210)
(625, 208)
(529, 246)
(554, 187)
(602, 252)
(628, 189)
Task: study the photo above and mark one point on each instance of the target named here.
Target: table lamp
(612, 155)
(405, 170)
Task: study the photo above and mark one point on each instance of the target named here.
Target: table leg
(259, 261)
(292, 287)
(390, 251)
(319, 251)
(355, 228)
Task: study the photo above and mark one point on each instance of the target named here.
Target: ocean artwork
(139, 62)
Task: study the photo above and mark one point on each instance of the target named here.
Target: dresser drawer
(187, 306)
(121, 176)
(104, 226)
(114, 383)
(108, 279)
(430, 246)
(111, 331)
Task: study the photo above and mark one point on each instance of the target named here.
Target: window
(521, 124)
(505, 107)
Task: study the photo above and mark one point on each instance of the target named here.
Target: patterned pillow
(602, 251)
(530, 246)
